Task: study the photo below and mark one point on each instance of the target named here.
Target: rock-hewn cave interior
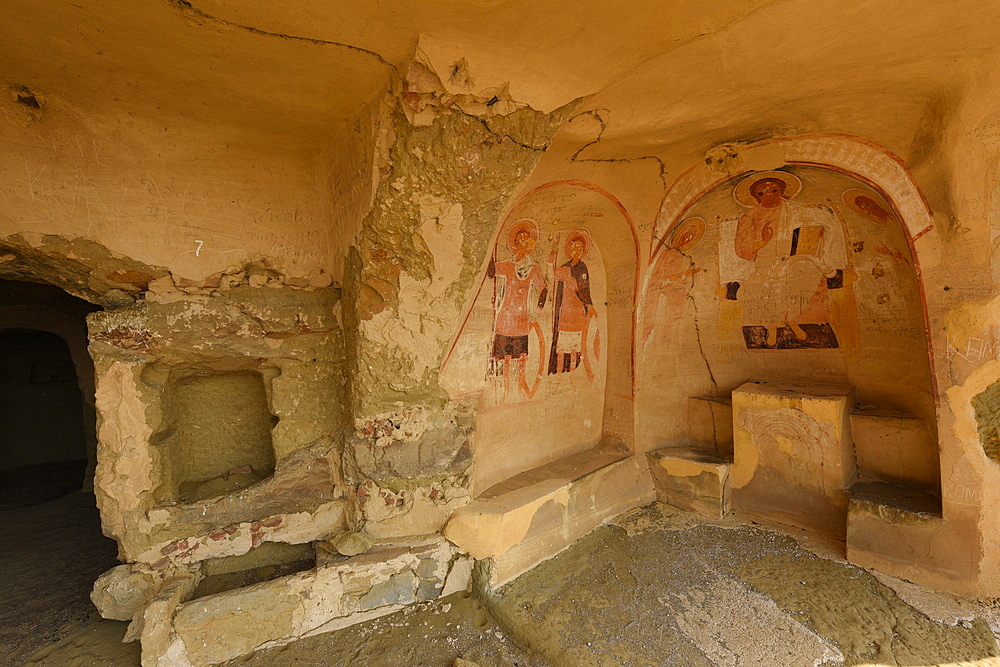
(499, 332)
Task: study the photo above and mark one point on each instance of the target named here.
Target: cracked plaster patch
(239, 538)
(422, 509)
(386, 428)
(987, 408)
(425, 317)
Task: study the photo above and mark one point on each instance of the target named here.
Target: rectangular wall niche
(217, 435)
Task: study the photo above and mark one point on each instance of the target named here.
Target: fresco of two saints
(783, 262)
(529, 341)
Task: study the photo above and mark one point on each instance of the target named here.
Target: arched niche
(572, 387)
(830, 295)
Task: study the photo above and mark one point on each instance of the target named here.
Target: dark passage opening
(47, 418)
(53, 549)
(41, 418)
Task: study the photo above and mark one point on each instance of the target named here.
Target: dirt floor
(661, 587)
(51, 555)
(655, 587)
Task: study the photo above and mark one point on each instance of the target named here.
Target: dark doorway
(47, 419)
(43, 453)
(53, 549)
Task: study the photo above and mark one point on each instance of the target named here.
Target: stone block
(397, 589)
(350, 543)
(459, 577)
(710, 422)
(894, 447)
(429, 589)
(339, 592)
(538, 513)
(122, 591)
(793, 457)
(692, 479)
(153, 626)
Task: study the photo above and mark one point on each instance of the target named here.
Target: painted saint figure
(790, 256)
(864, 204)
(672, 278)
(573, 310)
(514, 315)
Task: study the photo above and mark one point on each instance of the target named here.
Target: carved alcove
(215, 434)
(798, 274)
(547, 349)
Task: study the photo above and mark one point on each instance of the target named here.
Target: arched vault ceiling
(887, 71)
(288, 71)
(295, 68)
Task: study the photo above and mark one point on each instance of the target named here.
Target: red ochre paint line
(656, 243)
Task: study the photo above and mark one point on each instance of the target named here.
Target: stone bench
(692, 479)
(890, 526)
(536, 514)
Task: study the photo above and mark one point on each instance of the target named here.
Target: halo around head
(850, 197)
(695, 226)
(578, 235)
(519, 226)
(742, 191)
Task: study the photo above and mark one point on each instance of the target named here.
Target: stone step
(889, 526)
(894, 446)
(536, 514)
(710, 422)
(338, 592)
(692, 478)
(893, 503)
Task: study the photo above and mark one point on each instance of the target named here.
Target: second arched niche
(547, 340)
(800, 275)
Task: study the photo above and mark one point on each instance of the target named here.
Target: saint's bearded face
(576, 250)
(768, 192)
(523, 244)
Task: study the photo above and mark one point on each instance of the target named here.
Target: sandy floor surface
(654, 587)
(660, 587)
(50, 557)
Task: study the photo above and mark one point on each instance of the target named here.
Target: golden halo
(850, 196)
(519, 226)
(698, 223)
(578, 234)
(742, 191)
